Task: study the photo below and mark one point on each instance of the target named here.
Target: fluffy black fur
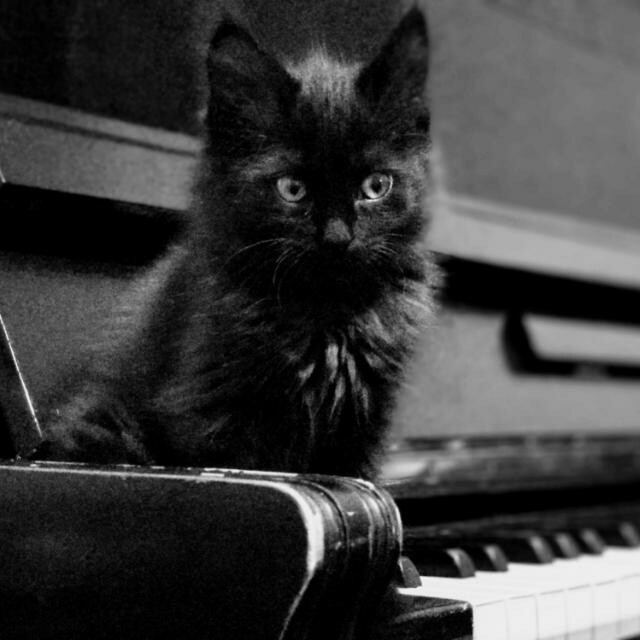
(275, 334)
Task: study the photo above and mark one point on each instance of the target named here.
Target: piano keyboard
(578, 592)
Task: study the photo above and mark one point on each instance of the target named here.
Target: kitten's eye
(291, 189)
(376, 186)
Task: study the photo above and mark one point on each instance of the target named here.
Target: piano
(509, 506)
(552, 552)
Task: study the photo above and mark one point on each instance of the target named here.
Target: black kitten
(274, 335)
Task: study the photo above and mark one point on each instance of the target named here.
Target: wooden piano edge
(114, 514)
(406, 617)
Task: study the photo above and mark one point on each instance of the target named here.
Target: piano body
(515, 463)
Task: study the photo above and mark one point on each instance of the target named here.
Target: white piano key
(548, 598)
(629, 606)
(627, 563)
(522, 619)
(606, 611)
(522, 606)
(577, 577)
(567, 607)
(520, 601)
(580, 618)
(586, 598)
(489, 608)
(613, 577)
(622, 566)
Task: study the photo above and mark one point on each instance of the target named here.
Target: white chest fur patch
(334, 376)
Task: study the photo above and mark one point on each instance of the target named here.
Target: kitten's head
(315, 172)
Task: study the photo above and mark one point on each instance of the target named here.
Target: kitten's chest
(344, 372)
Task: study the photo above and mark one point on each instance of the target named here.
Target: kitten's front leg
(91, 429)
(91, 443)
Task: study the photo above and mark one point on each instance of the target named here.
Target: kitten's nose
(337, 233)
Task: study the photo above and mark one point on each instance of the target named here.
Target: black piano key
(613, 528)
(518, 546)
(617, 526)
(562, 544)
(526, 547)
(589, 540)
(442, 562)
(406, 617)
(485, 557)
(621, 534)
(585, 538)
(407, 575)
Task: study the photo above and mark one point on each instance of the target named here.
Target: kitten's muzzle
(337, 233)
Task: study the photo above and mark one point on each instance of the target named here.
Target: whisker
(294, 263)
(249, 247)
(253, 270)
(279, 262)
(382, 253)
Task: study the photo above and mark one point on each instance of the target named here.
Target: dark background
(142, 61)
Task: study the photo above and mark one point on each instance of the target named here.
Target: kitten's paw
(87, 442)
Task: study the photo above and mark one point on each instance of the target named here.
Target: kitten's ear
(399, 72)
(247, 86)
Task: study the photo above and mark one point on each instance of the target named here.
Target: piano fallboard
(125, 552)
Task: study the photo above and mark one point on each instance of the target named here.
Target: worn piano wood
(92, 552)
